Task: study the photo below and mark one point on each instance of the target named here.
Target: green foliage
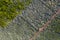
(9, 9)
(56, 25)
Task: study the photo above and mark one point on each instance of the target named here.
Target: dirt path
(45, 25)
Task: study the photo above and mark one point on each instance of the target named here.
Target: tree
(9, 9)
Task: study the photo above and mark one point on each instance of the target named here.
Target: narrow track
(45, 25)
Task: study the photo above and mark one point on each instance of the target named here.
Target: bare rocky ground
(33, 17)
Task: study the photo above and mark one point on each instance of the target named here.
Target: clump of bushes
(9, 9)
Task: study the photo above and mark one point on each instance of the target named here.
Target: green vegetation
(56, 25)
(9, 9)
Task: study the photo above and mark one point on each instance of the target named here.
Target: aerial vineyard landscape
(29, 19)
